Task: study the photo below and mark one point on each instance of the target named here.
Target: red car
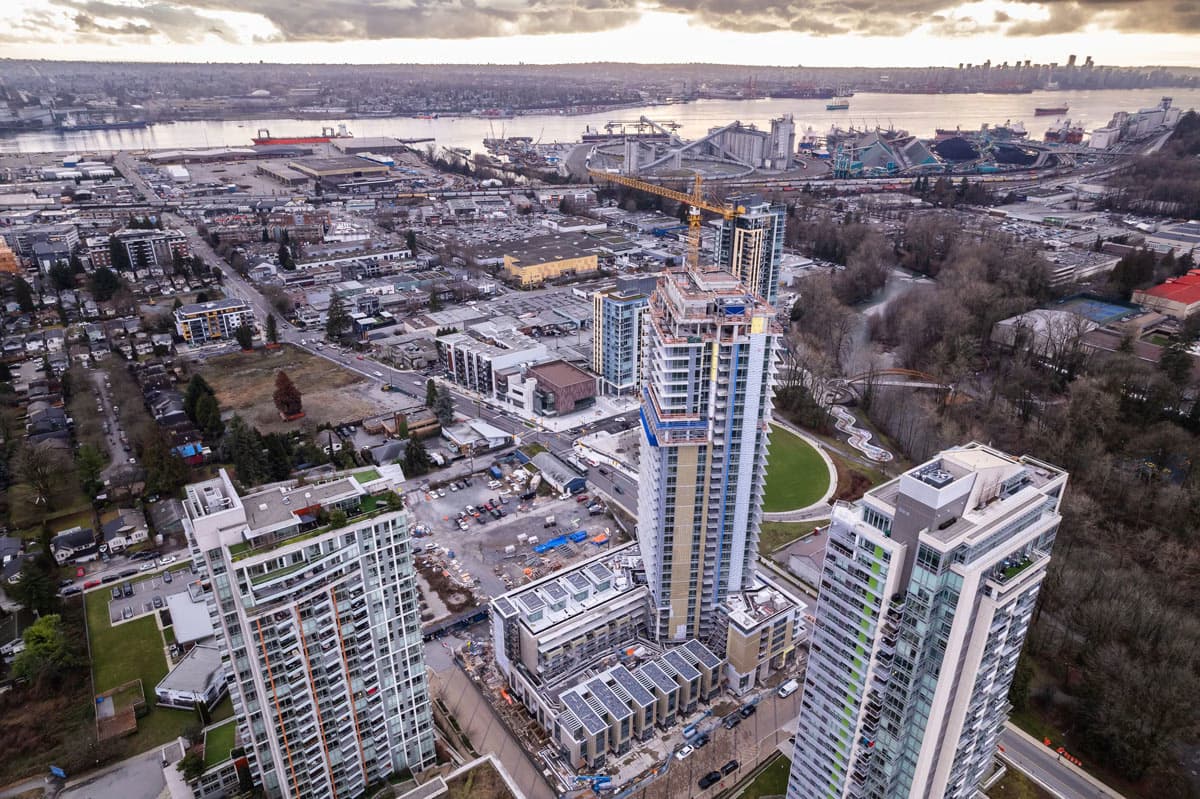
(91, 584)
(581, 498)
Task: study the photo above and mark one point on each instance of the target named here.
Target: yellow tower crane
(695, 202)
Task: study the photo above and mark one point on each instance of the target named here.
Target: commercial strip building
(201, 322)
(709, 355)
(928, 586)
(320, 630)
(554, 640)
(750, 246)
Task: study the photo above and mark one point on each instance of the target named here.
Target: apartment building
(475, 359)
(709, 353)
(927, 589)
(555, 626)
(763, 632)
(151, 249)
(555, 638)
(750, 246)
(320, 627)
(199, 323)
(616, 338)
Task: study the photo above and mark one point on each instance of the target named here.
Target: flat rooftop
(565, 594)
(193, 672)
(280, 506)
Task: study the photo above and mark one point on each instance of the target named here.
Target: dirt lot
(245, 381)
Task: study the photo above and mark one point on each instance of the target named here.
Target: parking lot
(480, 549)
(145, 590)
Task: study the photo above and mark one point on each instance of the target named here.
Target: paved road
(1041, 763)
(412, 384)
(139, 777)
(118, 451)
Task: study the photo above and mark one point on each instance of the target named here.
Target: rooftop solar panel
(578, 581)
(616, 708)
(531, 601)
(702, 653)
(504, 606)
(659, 677)
(637, 692)
(591, 722)
(555, 591)
(678, 662)
(599, 572)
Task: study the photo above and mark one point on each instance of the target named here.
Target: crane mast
(695, 201)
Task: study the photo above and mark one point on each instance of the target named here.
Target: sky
(762, 32)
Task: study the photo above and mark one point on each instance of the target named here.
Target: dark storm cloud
(349, 20)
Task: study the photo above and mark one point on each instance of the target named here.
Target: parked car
(145, 567)
(788, 688)
(127, 613)
(71, 590)
(116, 592)
(710, 779)
(167, 560)
(683, 753)
(748, 710)
(167, 577)
(127, 589)
(731, 721)
(158, 602)
(129, 572)
(700, 740)
(730, 767)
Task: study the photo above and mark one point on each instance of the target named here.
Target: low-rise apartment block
(199, 323)
(554, 640)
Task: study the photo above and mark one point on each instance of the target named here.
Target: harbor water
(916, 113)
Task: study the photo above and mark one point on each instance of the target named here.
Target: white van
(788, 688)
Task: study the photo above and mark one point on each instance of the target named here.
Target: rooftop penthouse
(260, 522)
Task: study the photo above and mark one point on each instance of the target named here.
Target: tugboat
(1057, 110)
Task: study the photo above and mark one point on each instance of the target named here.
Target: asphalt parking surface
(144, 591)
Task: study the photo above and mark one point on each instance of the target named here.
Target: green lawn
(773, 535)
(217, 743)
(133, 650)
(1015, 785)
(223, 710)
(772, 781)
(796, 474)
(366, 476)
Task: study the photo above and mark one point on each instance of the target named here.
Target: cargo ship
(327, 134)
(1066, 133)
(838, 105)
(1049, 112)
